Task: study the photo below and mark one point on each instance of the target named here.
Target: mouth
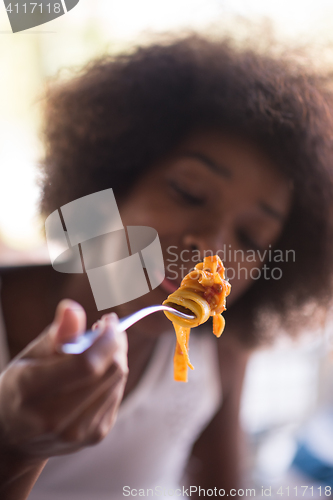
(169, 286)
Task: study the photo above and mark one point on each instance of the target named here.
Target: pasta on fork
(203, 292)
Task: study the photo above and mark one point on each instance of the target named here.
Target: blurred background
(286, 386)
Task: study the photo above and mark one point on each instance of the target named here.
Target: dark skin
(210, 173)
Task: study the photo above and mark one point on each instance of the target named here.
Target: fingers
(64, 398)
(64, 402)
(74, 409)
(88, 367)
(95, 424)
(111, 336)
(91, 424)
(63, 374)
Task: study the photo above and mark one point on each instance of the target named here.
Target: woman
(218, 149)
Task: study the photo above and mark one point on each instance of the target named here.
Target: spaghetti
(202, 292)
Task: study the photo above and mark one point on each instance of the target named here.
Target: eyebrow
(216, 167)
(271, 211)
(226, 173)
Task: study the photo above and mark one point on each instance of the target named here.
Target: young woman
(218, 149)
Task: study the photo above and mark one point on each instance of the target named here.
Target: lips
(169, 286)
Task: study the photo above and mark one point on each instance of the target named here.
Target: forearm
(18, 476)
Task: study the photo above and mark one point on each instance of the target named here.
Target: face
(217, 194)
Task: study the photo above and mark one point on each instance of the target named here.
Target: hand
(51, 403)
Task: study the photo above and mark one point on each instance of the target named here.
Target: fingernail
(64, 306)
(112, 317)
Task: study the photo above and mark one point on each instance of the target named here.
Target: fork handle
(133, 318)
(86, 340)
(80, 344)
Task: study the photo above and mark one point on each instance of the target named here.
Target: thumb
(69, 322)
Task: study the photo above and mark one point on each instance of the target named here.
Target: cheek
(244, 267)
(244, 274)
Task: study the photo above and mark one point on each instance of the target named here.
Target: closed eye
(186, 195)
(247, 242)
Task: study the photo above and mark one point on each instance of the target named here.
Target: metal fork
(83, 343)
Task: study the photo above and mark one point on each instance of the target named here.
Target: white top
(152, 438)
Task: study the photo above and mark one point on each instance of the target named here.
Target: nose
(211, 242)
